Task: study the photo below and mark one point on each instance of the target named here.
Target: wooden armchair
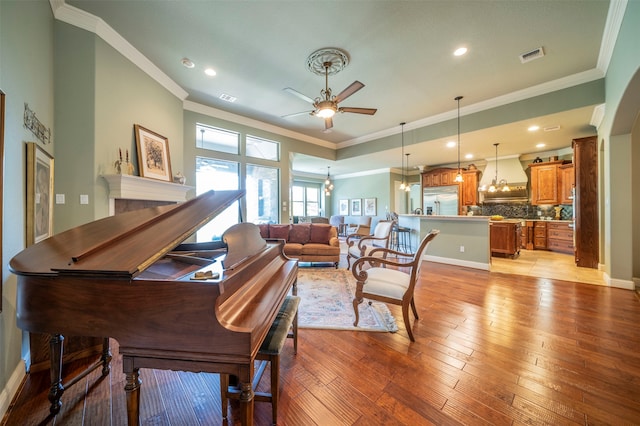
(361, 245)
(390, 285)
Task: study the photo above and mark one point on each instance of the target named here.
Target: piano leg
(56, 390)
(246, 403)
(105, 359)
(132, 388)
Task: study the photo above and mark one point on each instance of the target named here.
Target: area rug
(326, 303)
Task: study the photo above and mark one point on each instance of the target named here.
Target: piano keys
(190, 307)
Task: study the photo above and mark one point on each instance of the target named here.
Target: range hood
(509, 169)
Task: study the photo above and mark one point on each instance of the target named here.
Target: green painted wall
(370, 186)
(103, 95)
(618, 150)
(26, 75)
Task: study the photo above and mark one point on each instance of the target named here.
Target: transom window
(215, 139)
(263, 148)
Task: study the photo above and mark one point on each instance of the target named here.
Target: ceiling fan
(326, 105)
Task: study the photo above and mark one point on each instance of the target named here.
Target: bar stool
(402, 239)
(284, 326)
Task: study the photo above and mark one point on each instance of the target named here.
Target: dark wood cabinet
(545, 181)
(505, 238)
(567, 181)
(469, 192)
(585, 160)
(560, 237)
(540, 235)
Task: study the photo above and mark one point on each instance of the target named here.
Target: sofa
(307, 242)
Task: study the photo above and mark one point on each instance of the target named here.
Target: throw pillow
(279, 231)
(264, 230)
(299, 233)
(320, 233)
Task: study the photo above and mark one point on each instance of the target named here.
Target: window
(217, 175)
(263, 195)
(215, 139)
(305, 199)
(263, 148)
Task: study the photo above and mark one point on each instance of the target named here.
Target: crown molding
(616, 12)
(88, 22)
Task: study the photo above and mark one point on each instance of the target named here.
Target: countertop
(478, 217)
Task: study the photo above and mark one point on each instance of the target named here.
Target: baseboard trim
(10, 390)
(457, 262)
(617, 283)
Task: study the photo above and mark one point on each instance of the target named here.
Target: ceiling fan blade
(368, 111)
(353, 88)
(294, 92)
(328, 123)
(295, 114)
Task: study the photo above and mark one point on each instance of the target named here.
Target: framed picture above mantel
(153, 154)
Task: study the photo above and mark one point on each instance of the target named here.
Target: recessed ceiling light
(188, 63)
(210, 72)
(460, 51)
(533, 128)
(451, 144)
(468, 156)
(540, 145)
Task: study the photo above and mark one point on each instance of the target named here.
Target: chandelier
(328, 186)
(496, 185)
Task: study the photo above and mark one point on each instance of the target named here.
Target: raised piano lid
(121, 245)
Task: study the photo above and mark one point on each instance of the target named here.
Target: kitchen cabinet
(545, 183)
(469, 186)
(439, 177)
(540, 235)
(505, 237)
(585, 157)
(527, 234)
(567, 181)
(560, 237)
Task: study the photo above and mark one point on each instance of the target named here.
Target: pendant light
(402, 184)
(328, 186)
(459, 175)
(407, 187)
(495, 184)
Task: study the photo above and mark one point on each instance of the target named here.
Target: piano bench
(284, 326)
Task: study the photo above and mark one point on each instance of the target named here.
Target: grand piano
(169, 304)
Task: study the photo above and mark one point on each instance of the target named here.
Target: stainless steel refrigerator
(441, 200)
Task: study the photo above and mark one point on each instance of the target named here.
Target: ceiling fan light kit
(330, 61)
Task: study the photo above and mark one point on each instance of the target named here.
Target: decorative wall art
(356, 207)
(153, 154)
(39, 194)
(369, 206)
(343, 207)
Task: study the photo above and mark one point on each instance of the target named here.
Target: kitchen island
(463, 240)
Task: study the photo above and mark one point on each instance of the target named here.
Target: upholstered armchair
(362, 245)
(390, 285)
(360, 225)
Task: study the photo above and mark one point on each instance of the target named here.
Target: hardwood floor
(547, 264)
(491, 348)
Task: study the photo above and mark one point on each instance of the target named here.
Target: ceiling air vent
(228, 98)
(552, 128)
(530, 56)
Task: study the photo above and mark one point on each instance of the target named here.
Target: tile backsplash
(522, 210)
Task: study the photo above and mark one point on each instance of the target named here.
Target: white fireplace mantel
(129, 187)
